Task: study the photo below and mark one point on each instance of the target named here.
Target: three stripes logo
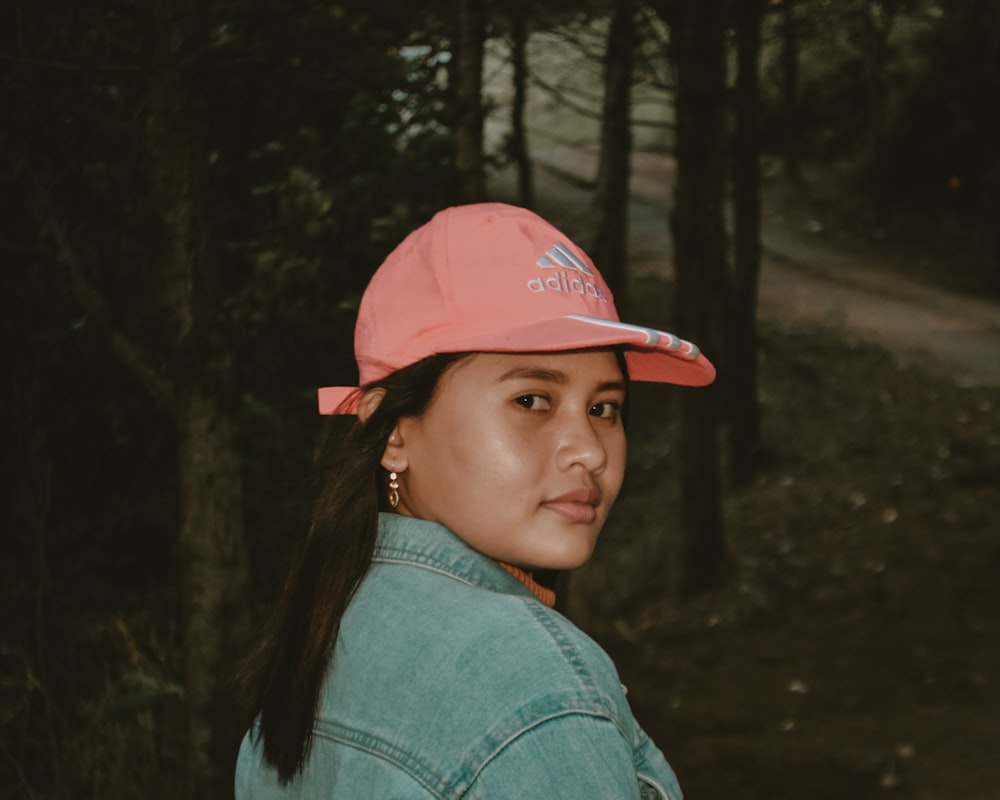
(559, 256)
(653, 337)
(569, 274)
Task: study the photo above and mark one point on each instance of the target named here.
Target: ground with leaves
(855, 650)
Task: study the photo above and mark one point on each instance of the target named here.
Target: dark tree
(211, 549)
(741, 323)
(700, 256)
(610, 244)
(470, 178)
(790, 92)
(519, 27)
(875, 22)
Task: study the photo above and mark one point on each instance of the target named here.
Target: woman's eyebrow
(534, 373)
(553, 376)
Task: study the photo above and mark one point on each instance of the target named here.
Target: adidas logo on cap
(559, 258)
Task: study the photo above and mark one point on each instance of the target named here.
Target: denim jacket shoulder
(443, 661)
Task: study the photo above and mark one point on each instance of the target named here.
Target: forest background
(194, 196)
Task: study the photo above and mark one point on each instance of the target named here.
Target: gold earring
(393, 490)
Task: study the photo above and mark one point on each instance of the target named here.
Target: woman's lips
(579, 505)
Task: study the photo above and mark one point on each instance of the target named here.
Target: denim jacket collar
(432, 546)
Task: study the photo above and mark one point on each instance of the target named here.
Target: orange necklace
(547, 596)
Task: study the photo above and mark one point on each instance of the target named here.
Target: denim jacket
(451, 680)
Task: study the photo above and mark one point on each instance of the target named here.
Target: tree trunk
(741, 341)
(790, 92)
(211, 549)
(699, 254)
(518, 131)
(470, 186)
(877, 20)
(610, 244)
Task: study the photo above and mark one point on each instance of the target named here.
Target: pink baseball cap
(491, 277)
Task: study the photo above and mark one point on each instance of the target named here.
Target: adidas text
(561, 282)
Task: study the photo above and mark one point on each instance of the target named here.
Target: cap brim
(338, 399)
(652, 356)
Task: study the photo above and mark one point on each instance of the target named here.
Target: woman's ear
(394, 457)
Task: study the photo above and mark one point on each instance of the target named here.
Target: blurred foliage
(936, 80)
(946, 130)
(329, 135)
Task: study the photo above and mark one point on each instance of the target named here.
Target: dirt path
(803, 276)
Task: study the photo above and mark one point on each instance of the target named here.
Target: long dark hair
(282, 677)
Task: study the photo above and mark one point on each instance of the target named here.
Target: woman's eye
(606, 410)
(533, 402)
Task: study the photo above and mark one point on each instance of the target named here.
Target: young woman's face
(521, 455)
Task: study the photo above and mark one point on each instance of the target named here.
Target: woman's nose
(581, 444)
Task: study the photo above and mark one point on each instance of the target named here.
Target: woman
(412, 654)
